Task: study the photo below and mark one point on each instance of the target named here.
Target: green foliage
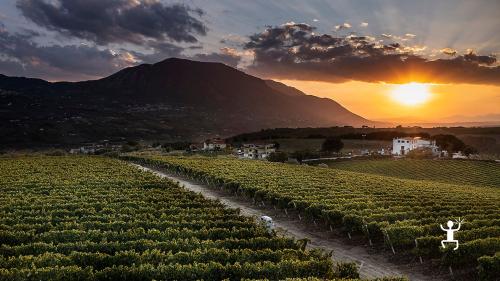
(96, 218)
(347, 270)
(468, 253)
(128, 148)
(422, 153)
(332, 144)
(480, 173)
(489, 267)
(449, 142)
(179, 145)
(278, 156)
(56, 152)
(304, 154)
(397, 211)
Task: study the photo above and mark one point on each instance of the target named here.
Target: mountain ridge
(172, 99)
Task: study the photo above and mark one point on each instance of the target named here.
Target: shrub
(332, 144)
(420, 153)
(489, 267)
(278, 156)
(347, 270)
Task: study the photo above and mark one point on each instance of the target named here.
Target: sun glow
(411, 94)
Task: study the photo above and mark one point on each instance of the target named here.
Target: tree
(449, 142)
(468, 150)
(278, 156)
(276, 145)
(304, 154)
(332, 144)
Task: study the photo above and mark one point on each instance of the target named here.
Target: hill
(477, 173)
(172, 99)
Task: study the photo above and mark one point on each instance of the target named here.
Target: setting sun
(411, 94)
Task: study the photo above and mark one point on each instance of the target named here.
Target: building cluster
(95, 148)
(247, 150)
(256, 151)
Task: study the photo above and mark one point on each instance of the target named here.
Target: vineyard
(402, 214)
(478, 173)
(93, 218)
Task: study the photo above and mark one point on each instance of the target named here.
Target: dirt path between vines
(372, 265)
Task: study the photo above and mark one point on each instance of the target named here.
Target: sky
(358, 53)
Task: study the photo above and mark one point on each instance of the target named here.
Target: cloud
(471, 56)
(363, 24)
(233, 39)
(294, 51)
(116, 21)
(158, 51)
(20, 56)
(228, 56)
(448, 51)
(410, 35)
(345, 25)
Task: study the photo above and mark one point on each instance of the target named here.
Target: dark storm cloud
(150, 24)
(116, 21)
(472, 57)
(20, 56)
(294, 51)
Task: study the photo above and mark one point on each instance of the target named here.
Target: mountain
(174, 99)
(285, 89)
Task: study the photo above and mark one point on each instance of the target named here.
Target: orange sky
(374, 100)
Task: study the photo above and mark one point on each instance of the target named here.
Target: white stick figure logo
(450, 231)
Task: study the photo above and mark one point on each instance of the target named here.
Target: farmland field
(403, 214)
(478, 173)
(93, 218)
(297, 144)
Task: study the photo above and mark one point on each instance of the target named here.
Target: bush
(132, 143)
(420, 153)
(56, 152)
(453, 144)
(347, 270)
(489, 267)
(304, 154)
(112, 154)
(332, 144)
(179, 145)
(278, 157)
(128, 148)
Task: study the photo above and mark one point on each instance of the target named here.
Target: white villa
(257, 151)
(401, 146)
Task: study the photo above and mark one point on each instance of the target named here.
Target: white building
(257, 151)
(401, 146)
(214, 144)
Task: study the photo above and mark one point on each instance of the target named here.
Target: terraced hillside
(404, 214)
(92, 218)
(478, 173)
